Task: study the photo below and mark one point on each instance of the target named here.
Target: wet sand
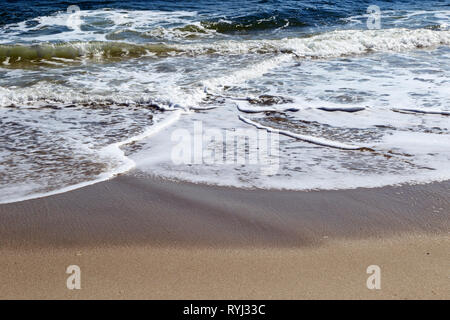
(141, 237)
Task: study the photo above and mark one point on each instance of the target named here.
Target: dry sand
(413, 268)
(139, 237)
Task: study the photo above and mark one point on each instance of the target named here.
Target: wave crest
(326, 45)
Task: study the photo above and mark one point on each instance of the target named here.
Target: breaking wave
(326, 45)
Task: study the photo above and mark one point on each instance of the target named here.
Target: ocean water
(86, 95)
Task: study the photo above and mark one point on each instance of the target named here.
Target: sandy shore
(139, 237)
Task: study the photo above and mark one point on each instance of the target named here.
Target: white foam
(255, 70)
(331, 44)
(302, 166)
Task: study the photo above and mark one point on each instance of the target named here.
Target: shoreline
(147, 238)
(131, 209)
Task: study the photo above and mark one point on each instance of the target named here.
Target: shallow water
(89, 95)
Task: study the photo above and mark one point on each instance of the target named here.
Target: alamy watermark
(73, 282)
(74, 19)
(374, 19)
(374, 280)
(214, 146)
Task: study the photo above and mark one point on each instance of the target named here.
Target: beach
(224, 150)
(138, 237)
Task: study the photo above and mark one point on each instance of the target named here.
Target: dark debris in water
(346, 109)
(269, 100)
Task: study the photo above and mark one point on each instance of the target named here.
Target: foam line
(422, 111)
(202, 108)
(314, 140)
(261, 109)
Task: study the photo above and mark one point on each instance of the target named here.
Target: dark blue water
(241, 12)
